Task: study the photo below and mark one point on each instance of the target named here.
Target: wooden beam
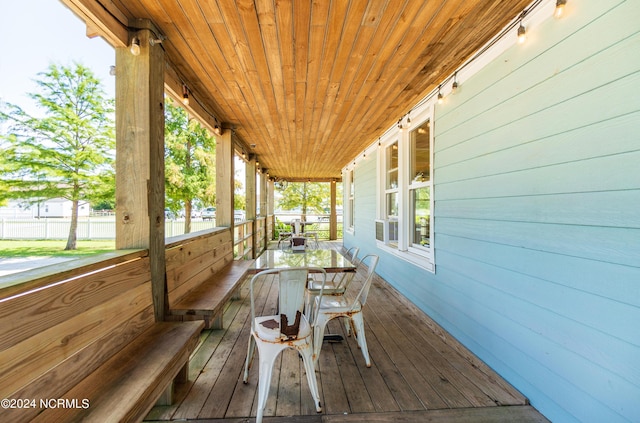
(105, 21)
(140, 158)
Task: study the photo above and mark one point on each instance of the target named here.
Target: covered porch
(419, 372)
(484, 212)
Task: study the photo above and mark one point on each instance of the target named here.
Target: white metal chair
(339, 281)
(334, 306)
(291, 328)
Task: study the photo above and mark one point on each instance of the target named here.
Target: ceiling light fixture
(522, 33)
(185, 95)
(135, 46)
(560, 4)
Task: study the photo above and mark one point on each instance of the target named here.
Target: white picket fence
(104, 227)
(88, 228)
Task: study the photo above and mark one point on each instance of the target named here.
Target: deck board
(418, 372)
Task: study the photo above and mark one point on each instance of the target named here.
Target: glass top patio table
(330, 260)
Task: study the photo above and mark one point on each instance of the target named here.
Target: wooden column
(270, 207)
(250, 196)
(263, 208)
(250, 187)
(224, 180)
(140, 158)
(333, 221)
(263, 194)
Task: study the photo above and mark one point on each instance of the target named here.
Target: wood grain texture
(416, 368)
(311, 84)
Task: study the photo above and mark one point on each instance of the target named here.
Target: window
(420, 186)
(404, 226)
(391, 194)
(350, 200)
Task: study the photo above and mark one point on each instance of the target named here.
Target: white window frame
(349, 201)
(420, 256)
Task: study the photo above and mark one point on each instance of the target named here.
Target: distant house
(55, 207)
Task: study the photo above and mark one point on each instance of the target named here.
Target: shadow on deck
(419, 373)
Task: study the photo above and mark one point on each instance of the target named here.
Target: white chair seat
(330, 288)
(268, 328)
(339, 304)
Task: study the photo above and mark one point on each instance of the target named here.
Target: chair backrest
(364, 291)
(352, 255)
(291, 286)
(292, 283)
(296, 226)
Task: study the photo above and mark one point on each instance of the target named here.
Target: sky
(36, 33)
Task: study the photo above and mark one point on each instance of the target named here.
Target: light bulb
(560, 4)
(135, 46)
(522, 34)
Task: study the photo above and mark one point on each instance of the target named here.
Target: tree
(190, 161)
(66, 153)
(309, 196)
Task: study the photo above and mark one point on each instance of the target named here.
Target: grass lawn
(52, 248)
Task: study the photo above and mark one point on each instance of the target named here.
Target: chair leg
(307, 359)
(347, 325)
(266, 358)
(318, 335)
(358, 328)
(251, 348)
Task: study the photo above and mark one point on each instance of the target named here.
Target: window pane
(420, 211)
(392, 166)
(420, 166)
(351, 199)
(392, 204)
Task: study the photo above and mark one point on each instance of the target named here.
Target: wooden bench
(202, 276)
(79, 342)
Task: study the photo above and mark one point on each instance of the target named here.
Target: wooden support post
(263, 209)
(140, 158)
(333, 220)
(270, 207)
(250, 203)
(224, 180)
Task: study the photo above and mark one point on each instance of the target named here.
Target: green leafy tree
(65, 153)
(190, 158)
(311, 197)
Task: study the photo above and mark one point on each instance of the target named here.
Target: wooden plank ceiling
(311, 83)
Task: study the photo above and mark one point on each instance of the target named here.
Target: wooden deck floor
(418, 373)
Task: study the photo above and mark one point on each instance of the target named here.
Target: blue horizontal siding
(537, 229)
